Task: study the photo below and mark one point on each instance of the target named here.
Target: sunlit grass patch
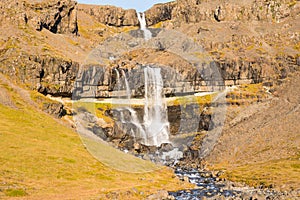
(15, 192)
(186, 100)
(116, 159)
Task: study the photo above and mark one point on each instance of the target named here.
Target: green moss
(128, 28)
(250, 47)
(201, 100)
(72, 42)
(158, 25)
(252, 88)
(292, 4)
(297, 46)
(46, 48)
(15, 192)
(12, 44)
(296, 166)
(39, 98)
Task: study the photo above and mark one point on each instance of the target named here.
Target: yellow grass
(201, 100)
(42, 159)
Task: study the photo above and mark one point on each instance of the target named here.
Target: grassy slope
(263, 149)
(282, 174)
(42, 159)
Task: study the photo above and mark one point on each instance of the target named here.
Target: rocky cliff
(28, 55)
(111, 15)
(249, 41)
(46, 74)
(194, 11)
(55, 16)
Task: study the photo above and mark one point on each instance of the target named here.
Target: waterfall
(128, 91)
(154, 130)
(118, 82)
(155, 111)
(143, 26)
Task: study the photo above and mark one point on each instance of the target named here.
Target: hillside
(48, 160)
(260, 143)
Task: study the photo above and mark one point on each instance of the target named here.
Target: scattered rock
(162, 194)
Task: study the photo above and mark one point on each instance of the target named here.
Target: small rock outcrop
(159, 12)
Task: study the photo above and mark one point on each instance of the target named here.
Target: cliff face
(191, 11)
(29, 44)
(194, 11)
(46, 74)
(111, 15)
(243, 39)
(55, 16)
(160, 12)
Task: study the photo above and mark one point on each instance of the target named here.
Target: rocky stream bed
(209, 185)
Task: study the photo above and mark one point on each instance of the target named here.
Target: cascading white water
(154, 131)
(128, 91)
(143, 26)
(118, 82)
(155, 111)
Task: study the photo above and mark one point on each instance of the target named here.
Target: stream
(207, 185)
(210, 186)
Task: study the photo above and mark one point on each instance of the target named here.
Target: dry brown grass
(262, 147)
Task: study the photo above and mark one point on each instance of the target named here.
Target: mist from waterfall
(154, 130)
(143, 26)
